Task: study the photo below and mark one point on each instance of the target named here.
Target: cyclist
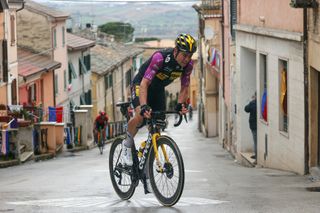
(100, 122)
(148, 86)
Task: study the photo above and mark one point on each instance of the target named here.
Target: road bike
(158, 159)
(100, 140)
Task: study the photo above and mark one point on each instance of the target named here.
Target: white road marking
(192, 171)
(103, 202)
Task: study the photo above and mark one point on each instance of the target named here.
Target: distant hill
(161, 20)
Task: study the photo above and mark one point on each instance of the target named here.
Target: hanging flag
(283, 95)
(264, 109)
(5, 142)
(213, 57)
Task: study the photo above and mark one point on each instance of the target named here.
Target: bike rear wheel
(168, 184)
(121, 180)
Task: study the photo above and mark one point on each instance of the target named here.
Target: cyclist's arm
(143, 90)
(185, 82)
(183, 96)
(154, 66)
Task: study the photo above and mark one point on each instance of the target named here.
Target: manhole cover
(313, 189)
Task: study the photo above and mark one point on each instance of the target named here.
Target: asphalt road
(215, 182)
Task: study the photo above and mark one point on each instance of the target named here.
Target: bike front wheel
(120, 178)
(167, 184)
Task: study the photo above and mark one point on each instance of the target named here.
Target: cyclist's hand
(145, 111)
(181, 108)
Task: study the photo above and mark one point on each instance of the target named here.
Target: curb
(5, 164)
(41, 157)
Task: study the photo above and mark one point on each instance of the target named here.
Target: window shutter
(233, 18)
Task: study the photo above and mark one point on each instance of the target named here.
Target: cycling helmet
(186, 43)
(102, 113)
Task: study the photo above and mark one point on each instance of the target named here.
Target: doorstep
(25, 156)
(247, 157)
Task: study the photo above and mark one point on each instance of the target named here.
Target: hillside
(162, 20)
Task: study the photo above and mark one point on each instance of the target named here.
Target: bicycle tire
(174, 198)
(124, 195)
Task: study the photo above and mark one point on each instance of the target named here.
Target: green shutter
(65, 79)
(63, 37)
(54, 38)
(83, 68)
(73, 72)
(56, 84)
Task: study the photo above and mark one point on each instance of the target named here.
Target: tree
(122, 31)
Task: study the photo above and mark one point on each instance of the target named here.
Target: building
(77, 79)
(313, 69)
(113, 66)
(8, 57)
(269, 61)
(210, 65)
(42, 31)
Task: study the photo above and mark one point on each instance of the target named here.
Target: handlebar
(160, 114)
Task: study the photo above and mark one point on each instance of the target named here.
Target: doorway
(248, 87)
(314, 118)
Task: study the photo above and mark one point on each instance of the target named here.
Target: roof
(30, 63)
(105, 58)
(77, 43)
(45, 10)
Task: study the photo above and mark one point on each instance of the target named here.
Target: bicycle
(158, 159)
(100, 141)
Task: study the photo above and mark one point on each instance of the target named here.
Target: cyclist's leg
(133, 123)
(104, 134)
(95, 135)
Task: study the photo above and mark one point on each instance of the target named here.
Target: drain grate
(313, 189)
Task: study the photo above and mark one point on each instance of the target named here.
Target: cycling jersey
(161, 69)
(101, 121)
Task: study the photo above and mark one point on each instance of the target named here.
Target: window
(110, 80)
(128, 77)
(65, 80)
(56, 84)
(54, 38)
(63, 37)
(72, 72)
(233, 18)
(106, 79)
(263, 87)
(32, 93)
(283, 94)
(82, 99)
(88, 97)
(87, 62)
(13, 30)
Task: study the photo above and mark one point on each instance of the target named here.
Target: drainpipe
(223, 49)
(54, 89)
(306, 89)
